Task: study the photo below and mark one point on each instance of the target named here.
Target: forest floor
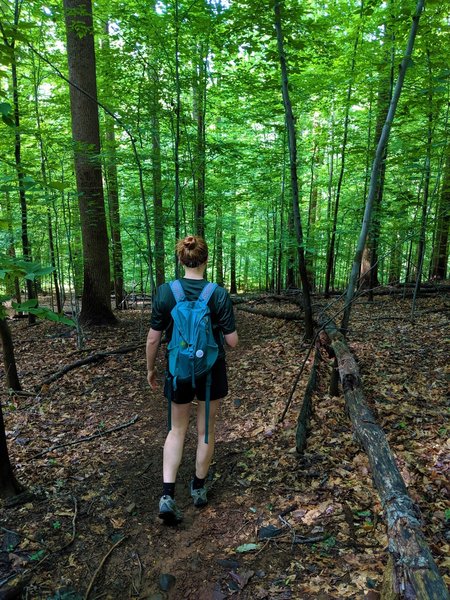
(92, 528)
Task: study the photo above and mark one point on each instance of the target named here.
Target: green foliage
(229, 52)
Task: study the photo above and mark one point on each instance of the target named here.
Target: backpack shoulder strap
(177, 291)
(207, 292)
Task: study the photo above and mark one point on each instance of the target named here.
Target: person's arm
(231, 339)
(153, 340)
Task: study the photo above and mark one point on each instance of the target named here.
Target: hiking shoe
(169, 512)
(199, 496)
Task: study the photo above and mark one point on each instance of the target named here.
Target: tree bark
(96, 299)
(415, 574)
(292, 142)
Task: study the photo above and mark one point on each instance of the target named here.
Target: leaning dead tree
(414, 574)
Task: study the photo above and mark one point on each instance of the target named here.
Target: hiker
(192, 253)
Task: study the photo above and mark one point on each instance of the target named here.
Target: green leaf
(37, 555)
(59, 185)
(25, 305)
(247, 548)
(5, 109)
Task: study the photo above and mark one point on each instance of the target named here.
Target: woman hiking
(192, 253)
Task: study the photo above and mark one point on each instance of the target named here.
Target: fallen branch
(296, 315)
(100, 566)
(92, 358)
(86, 439)
(306, 409)
(414, 573)
(74, 527)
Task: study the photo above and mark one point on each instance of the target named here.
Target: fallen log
(306, 409)
(414, 573)
(295, 315)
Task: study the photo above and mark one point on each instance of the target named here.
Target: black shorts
(185, 393)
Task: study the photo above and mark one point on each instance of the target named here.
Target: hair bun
(190, 242)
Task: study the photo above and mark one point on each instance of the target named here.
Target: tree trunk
(96, 299)
(43, 157)
(440, 250)
(112, 183)
(376, 167)
(233, 285)
(177, 132)
(292, 142)
(158, 213)
(9, 361)
(331, 247)
(12, 284)
(199, 93)
(26, 245)
(114, 213)
(414, 568)
(426, 188)
(219, 249)
(9, 486)
(383, 102)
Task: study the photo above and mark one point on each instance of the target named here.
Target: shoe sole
(169, 518)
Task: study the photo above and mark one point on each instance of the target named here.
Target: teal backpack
(192, 351)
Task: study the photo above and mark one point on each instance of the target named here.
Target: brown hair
(192, 251)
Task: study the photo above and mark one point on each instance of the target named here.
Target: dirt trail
(331, 540)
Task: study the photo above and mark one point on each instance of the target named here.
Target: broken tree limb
(92, 358)
(295, 315)
(306, 409)
(87, 438)
(414, 574)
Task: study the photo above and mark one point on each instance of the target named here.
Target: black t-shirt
(220, 305)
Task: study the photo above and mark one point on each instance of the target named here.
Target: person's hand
(151, 378)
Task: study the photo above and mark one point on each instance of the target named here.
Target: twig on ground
(74, 520)
(92, 358)
(88, 438)
(100, 566)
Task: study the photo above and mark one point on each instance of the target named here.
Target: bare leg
(205, 451)
(173, 446)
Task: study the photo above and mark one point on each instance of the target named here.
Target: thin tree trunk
(177, 131)
(383, 102)
(199, 93)
(440, 250)
(292, 141)
(96, 300)
(112, 181)
(157, 184)
(331, 247)
(26, 245)
(233, 286)
(426, 188)
(43, 157)
(376, 167)
(219, 248)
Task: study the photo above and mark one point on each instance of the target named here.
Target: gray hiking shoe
(199, 496)
(169, 512)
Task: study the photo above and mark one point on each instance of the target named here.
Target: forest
(308, 143)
